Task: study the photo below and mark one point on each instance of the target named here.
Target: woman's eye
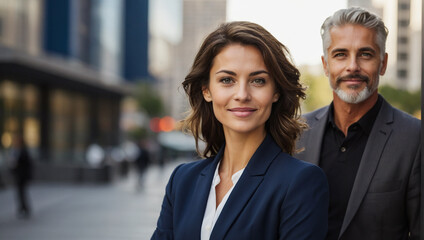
(258, 81)
(226, 80)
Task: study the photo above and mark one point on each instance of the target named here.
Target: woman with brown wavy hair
(244, 94)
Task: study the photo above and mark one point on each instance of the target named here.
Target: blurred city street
(65, 211)
(91, 89)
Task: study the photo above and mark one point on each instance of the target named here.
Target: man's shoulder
(316, 113)
(403, 118)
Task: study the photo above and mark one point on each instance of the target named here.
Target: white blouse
(212, 213)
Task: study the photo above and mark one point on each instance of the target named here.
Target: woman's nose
(242, 92)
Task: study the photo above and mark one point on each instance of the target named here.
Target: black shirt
(340, 158)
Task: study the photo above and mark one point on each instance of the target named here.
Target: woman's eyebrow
(258, 72)
(227, 72)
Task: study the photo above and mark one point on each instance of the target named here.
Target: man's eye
(339, 55)
(366, 54)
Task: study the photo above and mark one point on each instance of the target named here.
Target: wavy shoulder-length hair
(284, 122)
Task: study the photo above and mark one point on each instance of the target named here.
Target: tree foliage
(407, 101)
(149, 100)
(318, 93)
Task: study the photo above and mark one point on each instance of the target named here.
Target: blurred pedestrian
(245, 95)
(22, 170)
(142, 162)
(95, 155)
(369, 150)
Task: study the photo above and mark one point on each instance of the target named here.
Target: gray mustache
(362, 77)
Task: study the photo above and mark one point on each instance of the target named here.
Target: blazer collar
(202, 188)
(376, 143)
(315, 135)
(210, 169)
(246, 186)
(263, 157)
(259, 162)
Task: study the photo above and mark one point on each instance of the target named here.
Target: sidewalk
(88, 212)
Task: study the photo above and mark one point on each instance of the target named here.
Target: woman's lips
(242, 112)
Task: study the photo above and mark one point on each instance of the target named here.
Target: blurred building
(403, 19)
(199, 18)
(367, 4)
(135, 29)
(408, 70)
(110, 36)
(64, 68)
(165, 24)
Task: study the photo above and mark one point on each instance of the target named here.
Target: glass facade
(19, 115)
(69, 133)
(61, 123)
(78, 120)
(106, 26)
(20, 24)
(74, 121)
(59, 110)
(81, 125)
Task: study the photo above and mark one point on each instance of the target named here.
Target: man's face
(353, 64)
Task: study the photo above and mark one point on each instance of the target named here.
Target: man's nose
(353, 65)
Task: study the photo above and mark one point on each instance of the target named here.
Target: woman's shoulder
(293, 166)
(192, 168)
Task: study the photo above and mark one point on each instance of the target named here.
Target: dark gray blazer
(385, 198)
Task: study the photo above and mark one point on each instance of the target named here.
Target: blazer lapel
(246, 186)
(202, 189)
(314, 137)
(379, 135)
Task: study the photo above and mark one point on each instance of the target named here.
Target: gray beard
(354, 98)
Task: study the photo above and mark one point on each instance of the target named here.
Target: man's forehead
(353, 35)
(354, 28)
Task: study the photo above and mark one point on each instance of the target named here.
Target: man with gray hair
(369, 150)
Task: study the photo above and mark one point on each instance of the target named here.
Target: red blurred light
(166, 124)
(154, 124)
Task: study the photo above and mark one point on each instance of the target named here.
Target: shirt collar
(234, 178)
(366, 122)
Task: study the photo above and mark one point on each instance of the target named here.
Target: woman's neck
(239, 148)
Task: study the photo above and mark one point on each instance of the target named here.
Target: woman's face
(240, 89)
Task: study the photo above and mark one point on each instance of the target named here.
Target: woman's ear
(275, 97)
(207, 94)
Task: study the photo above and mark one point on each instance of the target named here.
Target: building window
(60, 126)
(19, 115)
(81, 127)
(403, 22)
(403, 40)
(1, 28)
(402, 56)
(402, 73)
(403, 6)
(10, 111)
(105, 111)
(30, 117)
(69, 131)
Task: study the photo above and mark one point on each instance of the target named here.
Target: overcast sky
(296, 23)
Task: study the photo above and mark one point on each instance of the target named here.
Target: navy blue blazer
(277, 197)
